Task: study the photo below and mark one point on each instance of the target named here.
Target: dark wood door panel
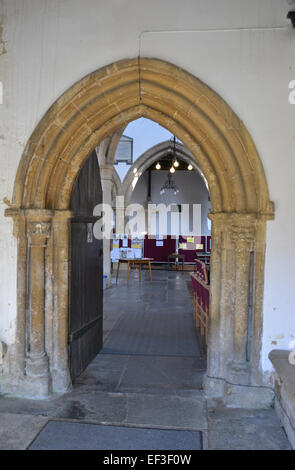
(86, 314)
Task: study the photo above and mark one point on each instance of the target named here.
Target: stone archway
(147, 159)
(89, 111)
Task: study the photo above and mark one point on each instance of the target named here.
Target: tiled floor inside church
(144, 390)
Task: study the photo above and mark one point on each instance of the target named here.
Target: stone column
(148, 224)
(61, 225)
(106, 172)
(242, 238)
(120, 215)
(213, 353)
(221, 273)
(38, 232)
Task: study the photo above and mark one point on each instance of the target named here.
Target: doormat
(61, 435)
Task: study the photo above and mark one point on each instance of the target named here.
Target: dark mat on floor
(57, 435)
(155, 332)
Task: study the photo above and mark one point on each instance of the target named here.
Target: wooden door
(86, 311)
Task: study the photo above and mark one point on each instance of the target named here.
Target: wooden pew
(201, 290)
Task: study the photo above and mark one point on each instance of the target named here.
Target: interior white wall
(192, 190)
(51, 44)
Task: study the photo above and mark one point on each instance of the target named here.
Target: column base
(38, 378)
(61, 381)
(220, 392)
(37, 366)
(37, 388)
(238, 372)
(214, 390)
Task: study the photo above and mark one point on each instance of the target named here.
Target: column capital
(38, 232)
(106, 172)
(38, 225)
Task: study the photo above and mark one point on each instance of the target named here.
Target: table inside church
(134, 262)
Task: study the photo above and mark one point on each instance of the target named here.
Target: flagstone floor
(148, 376)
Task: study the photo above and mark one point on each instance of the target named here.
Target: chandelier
(169, 185)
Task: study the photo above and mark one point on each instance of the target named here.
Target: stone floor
(148, 378)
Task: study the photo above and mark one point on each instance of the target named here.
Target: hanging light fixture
(190, 167)
(158, 166)
(175, 162)
(169, 185)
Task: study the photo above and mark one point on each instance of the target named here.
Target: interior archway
(149, 157)
(83, 116)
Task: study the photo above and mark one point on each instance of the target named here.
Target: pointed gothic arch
(78, 121)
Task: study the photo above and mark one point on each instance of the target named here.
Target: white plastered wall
(192, 190)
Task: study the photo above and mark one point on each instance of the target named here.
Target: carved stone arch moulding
(97, 106)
